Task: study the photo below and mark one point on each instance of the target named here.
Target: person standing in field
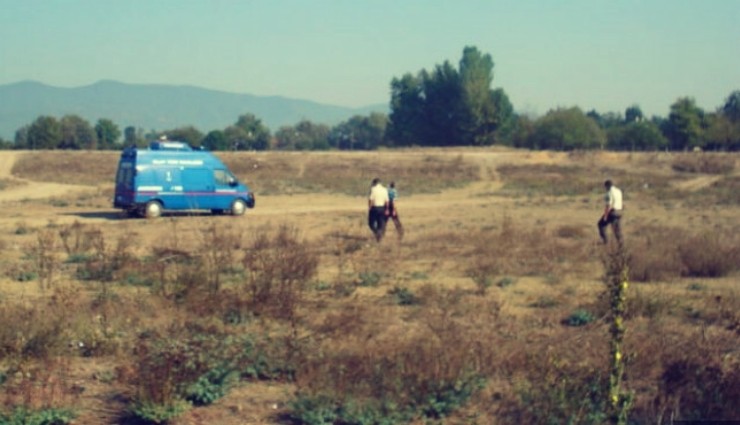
(612, 212)
(392, 211)
(378, 205)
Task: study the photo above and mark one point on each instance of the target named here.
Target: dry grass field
(490, 310)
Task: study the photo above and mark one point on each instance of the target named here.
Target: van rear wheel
(153, 209)
(238, 207)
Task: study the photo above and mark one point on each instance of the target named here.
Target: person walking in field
(612, 212)
(392, 211)
(378, 212)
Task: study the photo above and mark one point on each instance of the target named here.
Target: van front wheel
(153, 209)
(238, 207)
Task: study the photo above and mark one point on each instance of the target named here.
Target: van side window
(221, 177)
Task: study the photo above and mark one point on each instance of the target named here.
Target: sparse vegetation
(490, 310)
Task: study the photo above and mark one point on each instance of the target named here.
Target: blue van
(173, 176)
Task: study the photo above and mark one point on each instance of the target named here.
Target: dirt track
(24, 189)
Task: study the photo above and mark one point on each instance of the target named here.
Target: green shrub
(26, 276)
(579, 317)
(563, 399)
(448, 397)
(505, 281)
(312, 410)
(77, 258)
(403, 296)
(482, 283)
(137, 279)
(154, 413)
(369, 279)
(211, 386)
(22, 229)
(544, 302)
(696, 286)
(24, 416)
(438, 401)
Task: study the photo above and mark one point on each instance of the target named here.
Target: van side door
(226, 188)
(198, 187)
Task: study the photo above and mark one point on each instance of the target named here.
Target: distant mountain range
(159, 107)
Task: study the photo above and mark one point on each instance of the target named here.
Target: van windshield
(223, 177)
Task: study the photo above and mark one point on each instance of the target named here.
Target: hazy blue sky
(605, 55)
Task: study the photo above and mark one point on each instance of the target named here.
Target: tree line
(445, 106)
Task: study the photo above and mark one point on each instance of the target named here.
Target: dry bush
(714, 254)
(682, 376)
(433, 363)
(279, 266)
(559, 379)
(516, 250)
(42, 385)
(653, 255)
(95, 257)
(44, 256)
(663, 253)
(723, 192)
(218, 247)
(43, 329)
(707, 163)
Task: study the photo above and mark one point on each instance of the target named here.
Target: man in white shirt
(378, 209)
(612, 212)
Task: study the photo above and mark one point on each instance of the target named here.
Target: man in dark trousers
(612, 212)
(378, 212)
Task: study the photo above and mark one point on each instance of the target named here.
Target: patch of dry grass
(170, 302)
(74, 167)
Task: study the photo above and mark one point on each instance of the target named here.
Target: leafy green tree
(248, 133)
(633, 114)
(722, 133)
(606, 120)
(187, 134)
(77, 133)
(521, 136)
(443, 106)
(731, 109)
(6, 144)
(108, 134)
(303, 136)
(44, 133)
(21, 137)
(406, 120)
(216, 141)
(483, 111)
(450, 106)
(684, 126)
(360, 132)
(567, 129)
(637, 135)
(505, 117)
